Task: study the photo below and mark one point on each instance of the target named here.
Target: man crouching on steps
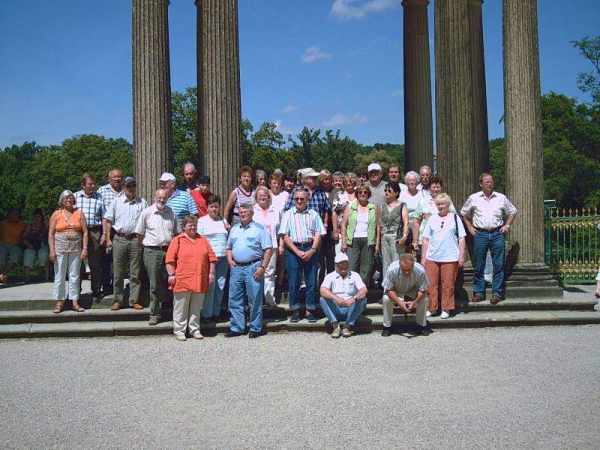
(343, 297)
(405, 284)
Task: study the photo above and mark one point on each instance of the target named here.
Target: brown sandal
(77, 308)
(58, 307)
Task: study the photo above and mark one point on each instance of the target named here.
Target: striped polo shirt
(301, 226)
(182, 204)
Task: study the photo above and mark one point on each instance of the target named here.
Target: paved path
(486, 388)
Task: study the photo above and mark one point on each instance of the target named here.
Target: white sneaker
(197, 335)
(445, 315)
(428, 314)
(180, 337)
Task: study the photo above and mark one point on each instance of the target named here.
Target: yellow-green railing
(573, 243)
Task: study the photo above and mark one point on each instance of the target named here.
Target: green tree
(184, 120)
(589, 82)
(308, 138)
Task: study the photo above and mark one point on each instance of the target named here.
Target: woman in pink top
(268, 216)
(190, 262)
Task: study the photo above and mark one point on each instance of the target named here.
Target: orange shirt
(73, 223)
(11, 232)
(191, 258)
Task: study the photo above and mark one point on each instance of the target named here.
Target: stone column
(480, 117)
(219, 105)
(151, 93)
(523, 128)
(418, 124)
(456, 155)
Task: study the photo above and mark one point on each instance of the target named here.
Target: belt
(157, 247)
(298, 244)
(245, 264)
(493, 230)
(127, 236)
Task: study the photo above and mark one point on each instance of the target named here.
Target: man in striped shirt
(109, 192)
(92, 207)
(180, 202)
(302, 229)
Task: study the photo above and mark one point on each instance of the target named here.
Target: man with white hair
(343, 297)
(317, 200)
(405, 285)
(376, 184)
(425, 173)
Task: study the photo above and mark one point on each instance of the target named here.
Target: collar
(245, 227)
(297, 211)
(124, 198)
(159, 211)
(482, 194)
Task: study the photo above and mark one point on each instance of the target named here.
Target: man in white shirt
(488, 216)
(405, 285)
(343, 297)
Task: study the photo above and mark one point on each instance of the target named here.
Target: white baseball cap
(309, 172)
(167, 176)
(340, 257)
(374, 166)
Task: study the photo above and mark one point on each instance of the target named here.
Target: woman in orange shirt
(67, 240)
(190, 262)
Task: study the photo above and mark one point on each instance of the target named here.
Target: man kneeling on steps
(405, 287)
(343, 297)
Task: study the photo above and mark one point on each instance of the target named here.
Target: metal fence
(572, 243)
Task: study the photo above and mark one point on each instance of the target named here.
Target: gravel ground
(487, 388)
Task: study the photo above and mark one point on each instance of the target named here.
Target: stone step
(106, 315)
(366, 324)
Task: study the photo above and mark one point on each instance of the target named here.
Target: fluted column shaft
(523, 128)
(456, 161)
(418, 123)
(219, 104)
(480, 117)
(151, 93)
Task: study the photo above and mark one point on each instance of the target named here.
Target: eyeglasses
(300, 199)
(363, 193)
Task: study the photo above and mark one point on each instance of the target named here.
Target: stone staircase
(33, 318)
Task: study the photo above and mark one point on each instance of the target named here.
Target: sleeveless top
(68, 235)
(391, 219)
(240, 198)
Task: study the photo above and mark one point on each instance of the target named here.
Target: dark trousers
(95, 254)
(327, 256)
(295, 266)
(494, 242)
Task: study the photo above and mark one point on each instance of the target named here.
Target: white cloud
(339, 119)
(314, 54)
(283, 129)
(357, 9)
(290, 108)
(397, 93)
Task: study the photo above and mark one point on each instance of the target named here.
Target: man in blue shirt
(249, 251)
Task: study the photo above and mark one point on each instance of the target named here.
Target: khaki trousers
(187, 307)
(388, 311)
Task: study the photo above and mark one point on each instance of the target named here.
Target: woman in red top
(190, 262)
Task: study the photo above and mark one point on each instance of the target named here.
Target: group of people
(325, 238)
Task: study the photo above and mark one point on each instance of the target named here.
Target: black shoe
(386, 332)
(423, 331)
(311, 317)
(295, 317)
(253, 334)
(231, 334)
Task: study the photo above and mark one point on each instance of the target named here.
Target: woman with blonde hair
(443, 254)
(67, 242)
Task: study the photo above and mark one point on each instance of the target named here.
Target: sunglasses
(300, 199)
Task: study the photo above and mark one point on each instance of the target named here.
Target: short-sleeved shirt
(191, 258)
(215, 232)
(301, 226)
(279, 200)
(269, 219)
(182, 204)
(395, 280)
(124, 213)
(442, 235)
(92, 207)
(344, 287)
(377, 193)
(318, 201)
(248, 242)
(108, 195)
(157, 226)
(488, 212)
(427, 207)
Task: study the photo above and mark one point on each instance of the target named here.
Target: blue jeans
(349, 314)
(214, 296)
(242, 285)
(294, 267)
(494, 241)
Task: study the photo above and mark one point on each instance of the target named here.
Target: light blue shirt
(442, 235)
(182, 204)
(248, 243)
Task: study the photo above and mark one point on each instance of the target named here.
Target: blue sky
(66, 64)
